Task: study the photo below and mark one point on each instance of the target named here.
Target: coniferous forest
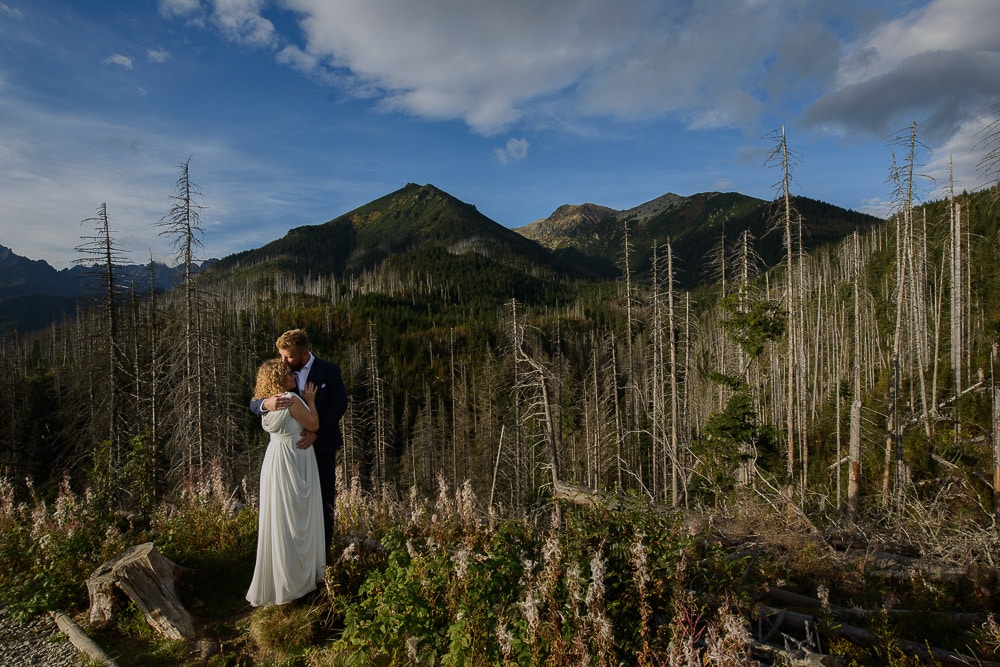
(768, 443)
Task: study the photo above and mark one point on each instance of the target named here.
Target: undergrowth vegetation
(447, 581)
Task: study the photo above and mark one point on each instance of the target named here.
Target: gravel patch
(37, 642)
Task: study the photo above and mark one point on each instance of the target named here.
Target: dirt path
(35, 643)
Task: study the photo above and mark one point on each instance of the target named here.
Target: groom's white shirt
(302, 374)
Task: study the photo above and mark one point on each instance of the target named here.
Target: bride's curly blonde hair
(270, 378)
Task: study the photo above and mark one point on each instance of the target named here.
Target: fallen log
(772, 655)
(147, 578)
(788, 599)
(583, 496)
(78, 638)
(899, 567)
(861, 637)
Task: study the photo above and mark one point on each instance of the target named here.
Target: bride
(290, 545)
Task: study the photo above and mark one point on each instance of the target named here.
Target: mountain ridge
(413, 219)
(421, 229)
(695, 225)
(33, 293)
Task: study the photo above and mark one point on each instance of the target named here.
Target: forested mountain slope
(698, 227)
(425, 230)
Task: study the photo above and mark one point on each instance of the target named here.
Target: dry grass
(281, 632)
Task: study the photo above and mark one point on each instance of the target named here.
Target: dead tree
(533, 382)
(854, 448)
(102, 253)
(904, 196)
(182, 225)
(789, 221)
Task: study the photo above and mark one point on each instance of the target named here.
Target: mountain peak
(655, 207)
(415, 220)
(568, 225)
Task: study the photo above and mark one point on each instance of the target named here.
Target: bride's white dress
(291, 555)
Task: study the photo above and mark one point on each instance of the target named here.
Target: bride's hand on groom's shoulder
(309, 392)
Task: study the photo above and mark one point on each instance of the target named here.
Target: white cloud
(310, 65)
(240, 21)
(746, 65)
(476, 61)
(298, 59)
(158, 55)
(880, 208)
(491, 64)
(12, 12)
(49, 183)
(710, 65)
(938, 26)
(514, 150)
(677, 64)
(120, 60)
(938, 65)
(958, 160)
(180, 7)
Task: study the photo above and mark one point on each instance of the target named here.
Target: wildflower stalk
(640, 564)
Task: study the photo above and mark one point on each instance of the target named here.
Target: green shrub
(596, 587)
(206, 530)
(48, 550)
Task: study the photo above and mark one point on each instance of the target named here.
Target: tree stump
(148, 579)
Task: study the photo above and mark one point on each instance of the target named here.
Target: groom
(331, 403)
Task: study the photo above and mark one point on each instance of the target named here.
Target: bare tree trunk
(675, 472)
(103, 248)
(957, 302)
(515, 333)
(996, 435)
(655, 385)
(688, 374)
(854, 448)
(782, 158)
(537, 381)
(720, 264)
(594, 434)
(454, 416)
(892, 429)
(619, 422)
(183, 226)
(381, 441)
(904, 184)
(919, 319)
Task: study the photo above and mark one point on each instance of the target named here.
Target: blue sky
(294, 112)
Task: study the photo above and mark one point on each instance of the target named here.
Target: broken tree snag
(148, 579)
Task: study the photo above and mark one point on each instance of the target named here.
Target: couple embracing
(300, 399)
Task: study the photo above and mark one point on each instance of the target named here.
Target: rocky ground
(36, 642)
